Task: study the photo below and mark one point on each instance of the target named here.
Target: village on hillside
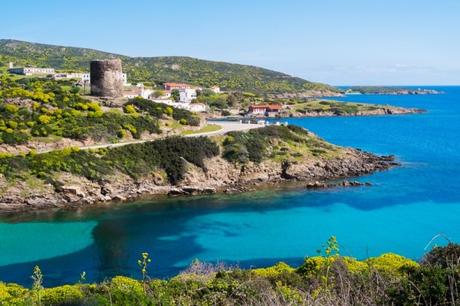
(179, 95)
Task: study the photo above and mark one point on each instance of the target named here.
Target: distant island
(389, 90)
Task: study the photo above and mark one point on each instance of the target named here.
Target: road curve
(227, 126)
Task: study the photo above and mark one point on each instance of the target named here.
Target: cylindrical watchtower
(106, 78)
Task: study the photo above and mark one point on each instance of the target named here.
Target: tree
(234, 99)
(75, 90)
(175, 95)
(158, 93)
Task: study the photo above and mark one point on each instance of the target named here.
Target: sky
(339, 42)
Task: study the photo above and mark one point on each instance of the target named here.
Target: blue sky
(339, 42)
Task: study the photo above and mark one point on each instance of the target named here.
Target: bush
(157, 110)
(330, 280)
(252, 146)
(63, 295)
(443, 256)
(135, 160)
(59, 112)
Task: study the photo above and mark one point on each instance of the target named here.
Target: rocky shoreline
(219, 176)
(377, 112)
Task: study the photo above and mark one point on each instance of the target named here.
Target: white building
(124, 76)
(81, 76)
(193, 107)
(31, 71)
(187, 95)
(215, 89)
(84, 77)
(137, 91)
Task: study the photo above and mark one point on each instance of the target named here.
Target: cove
(400, 213)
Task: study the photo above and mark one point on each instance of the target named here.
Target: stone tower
(107, 78)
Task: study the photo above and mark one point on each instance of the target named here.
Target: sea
(408, 210)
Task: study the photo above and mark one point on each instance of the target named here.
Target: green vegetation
(330, 279)
(157, 110)
(157, 70)
(40, 109)
(134, 160)
(275, 142)
(167, 155)
(335, 107)
(206, 129)
(221, 102)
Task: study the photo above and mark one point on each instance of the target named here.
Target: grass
(345, 107)
(206, 129)
(48, 139)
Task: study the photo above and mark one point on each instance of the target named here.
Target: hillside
(42, 114)
(159, 69)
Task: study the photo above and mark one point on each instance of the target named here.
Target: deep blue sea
(403, 210)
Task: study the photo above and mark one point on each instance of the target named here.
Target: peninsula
(79, 138)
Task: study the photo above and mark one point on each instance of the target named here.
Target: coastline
(219, 176)
(379, 112)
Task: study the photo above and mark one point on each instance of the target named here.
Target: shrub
(127, 291)
(135, 160)
(63, 295)
(391, 263)
(443, 256)
(274, 271)
(252, 145)
(157, 110)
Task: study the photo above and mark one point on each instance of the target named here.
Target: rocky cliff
(218, 175)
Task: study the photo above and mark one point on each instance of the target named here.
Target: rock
(209, 190)
(176, 192)
(317, 184)
(76, 190)
(118, 198)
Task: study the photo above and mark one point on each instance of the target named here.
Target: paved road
(227, 126)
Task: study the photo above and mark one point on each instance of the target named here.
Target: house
(187, 95)
(84, 77)
(124, 76)
(177, 86)
(137, 91)
(131, 92)
(31, 70)
(270, 110)
(81, 76)
(193, 107)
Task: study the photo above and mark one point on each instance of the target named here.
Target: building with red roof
(265, 109)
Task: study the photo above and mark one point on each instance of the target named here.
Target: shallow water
(400, 213)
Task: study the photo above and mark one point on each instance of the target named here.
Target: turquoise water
(401, 212)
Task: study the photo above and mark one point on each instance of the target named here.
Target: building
(193, 107)
(124, 76)
(264, 109)
(215, 89)
(31, 70)
(137, 91)
(187, 95)
(81, 76)
(84, 77)
(177, 86)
